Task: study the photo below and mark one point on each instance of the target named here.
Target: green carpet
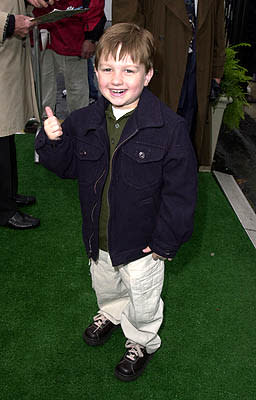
(209, 333)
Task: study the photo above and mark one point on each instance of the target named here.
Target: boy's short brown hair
(135, 41)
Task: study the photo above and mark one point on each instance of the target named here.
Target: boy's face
(122, 81)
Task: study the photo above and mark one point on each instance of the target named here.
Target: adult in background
(17, 104)
(96, 34)
(190, 57)
(71, 41)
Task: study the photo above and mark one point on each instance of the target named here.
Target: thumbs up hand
(52, 125)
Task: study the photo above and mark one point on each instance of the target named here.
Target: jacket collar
(97, 114)
(178, 8)
(147, 114)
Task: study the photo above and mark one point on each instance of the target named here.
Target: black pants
(8, 178)
(187, 107)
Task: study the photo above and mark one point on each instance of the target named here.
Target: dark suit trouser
(187, 107)
(8, 178)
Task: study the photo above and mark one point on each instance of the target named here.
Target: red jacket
(68, 34)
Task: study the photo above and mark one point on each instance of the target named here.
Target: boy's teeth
(117, 91)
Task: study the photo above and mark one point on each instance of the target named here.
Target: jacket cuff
(10, 26)
(42, 140)
(163, 252)
(217, 72)
(4, 22)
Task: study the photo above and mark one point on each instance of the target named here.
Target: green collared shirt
(115, 129)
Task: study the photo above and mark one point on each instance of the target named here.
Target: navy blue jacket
(153, 186)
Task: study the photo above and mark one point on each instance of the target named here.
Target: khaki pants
(74, 70)
(130, 295)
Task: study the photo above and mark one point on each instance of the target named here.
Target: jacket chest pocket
(142, 164)
(89, 162)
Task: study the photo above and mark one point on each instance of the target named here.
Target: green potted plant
(229, 107)
(234, 81)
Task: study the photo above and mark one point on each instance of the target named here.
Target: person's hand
(88, 49)
(23, 24)
(154, 255)
(52, 125)
(41, 3)
(218, 80)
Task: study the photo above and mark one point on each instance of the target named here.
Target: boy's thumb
(49, 112)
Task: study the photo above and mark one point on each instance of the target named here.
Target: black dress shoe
(133, 362)
(99, 331)
(22, 221)
(22, 200)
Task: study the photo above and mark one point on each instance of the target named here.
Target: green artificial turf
(209, 332)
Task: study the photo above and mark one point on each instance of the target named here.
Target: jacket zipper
(120, 144)
(96, 183)
(90, 239)
(94, 207)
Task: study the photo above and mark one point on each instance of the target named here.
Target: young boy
(137, 177)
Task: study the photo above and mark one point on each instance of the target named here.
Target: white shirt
(196, 5)
(119, 112)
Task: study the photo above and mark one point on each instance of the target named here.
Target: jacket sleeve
(174, 224)
(58, 155)
(219, 41)
(93, 16)
(98, 30)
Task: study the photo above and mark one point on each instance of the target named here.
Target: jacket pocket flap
(143, 153)
(88, 151)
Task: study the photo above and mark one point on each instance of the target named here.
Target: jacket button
(117, 125)
(141, 155)
(83, 153)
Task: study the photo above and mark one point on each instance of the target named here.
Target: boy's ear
(148, 76)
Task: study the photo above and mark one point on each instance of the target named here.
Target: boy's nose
(117, 78)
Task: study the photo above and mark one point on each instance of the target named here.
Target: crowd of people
(135, 151)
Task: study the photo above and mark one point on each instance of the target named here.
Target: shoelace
(99, 320)
(134, 350)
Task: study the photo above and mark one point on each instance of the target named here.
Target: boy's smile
(122, 81)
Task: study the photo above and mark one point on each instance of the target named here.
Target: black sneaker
(133, 362)
(99, 331)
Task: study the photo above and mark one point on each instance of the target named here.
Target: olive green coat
(17, 95)
(168, 21)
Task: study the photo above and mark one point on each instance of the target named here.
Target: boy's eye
(129, 71)
(106, 69)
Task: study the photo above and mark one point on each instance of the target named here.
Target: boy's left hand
(154, 255)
